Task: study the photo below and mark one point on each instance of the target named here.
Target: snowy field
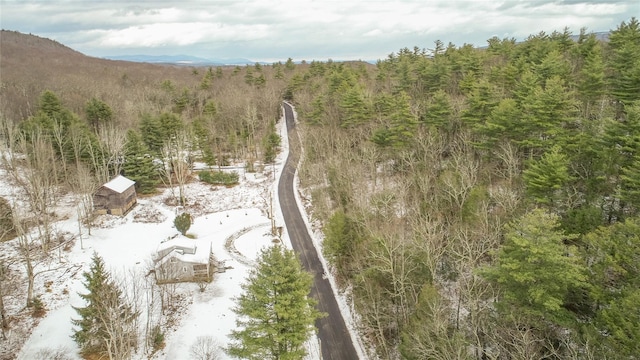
(233, 221)
(127, 244)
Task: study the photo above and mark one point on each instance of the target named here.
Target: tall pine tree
(106, 325)
(138, 165)
(535, 271)
(624, 62)
(276, 316)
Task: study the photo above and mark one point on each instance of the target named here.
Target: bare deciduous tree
(31, 257)
(510, 161)
(60, 353)
(113, 139)
(205, 348)
(459, 181)
(84, 185)
(176, 155)
(107, 155)
(38, 179)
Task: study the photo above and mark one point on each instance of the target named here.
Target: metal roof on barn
(119, 184)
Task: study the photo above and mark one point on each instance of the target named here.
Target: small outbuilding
(116, 197)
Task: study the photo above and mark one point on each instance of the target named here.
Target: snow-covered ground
(233, 221)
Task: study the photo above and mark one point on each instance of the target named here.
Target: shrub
(37, 307)
(6, 220)
(182, 222)
(219, 177)
(157, 338)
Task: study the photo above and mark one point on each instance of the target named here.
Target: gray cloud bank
(304, 29)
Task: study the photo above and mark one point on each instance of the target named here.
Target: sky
(262, 30)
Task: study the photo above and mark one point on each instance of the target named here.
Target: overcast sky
(272, 30)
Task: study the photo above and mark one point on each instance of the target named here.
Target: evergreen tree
(181, 102)
(504, 123)
(630, 186)
(279, 74)
(341, 242)
(271, 144)
(171, 124)
(614, 254)
(50, 104)
(207, 79)
(525, 86)
(435, 73)
(438, 112)
(624, 62)
(545, 178)
(98, 113)
(260, 81)
(535, 271)
(317, 113)
(183, 222)
(384, 105)
(156, 131)
(289, 65)
(51, 114)
(210, 109)
(591, 76)
(553, 65)
(248, 76)
(480, 103)
(152, 133)
(203, 139)
(355, 109)
(105, 327)
(276, 316)
(620, 147)
(621, 322)
(547, 112)
(403, 122)
(138, 164)
(90, 330)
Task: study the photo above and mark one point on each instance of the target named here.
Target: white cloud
(319, 29)
(178, 34)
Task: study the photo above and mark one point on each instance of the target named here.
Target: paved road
(335, 340)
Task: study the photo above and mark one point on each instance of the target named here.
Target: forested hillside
(95, 111)
(484, 203)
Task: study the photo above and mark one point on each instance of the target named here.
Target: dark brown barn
(115, 197)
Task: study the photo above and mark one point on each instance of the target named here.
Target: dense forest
(483, 203)
(476, 203)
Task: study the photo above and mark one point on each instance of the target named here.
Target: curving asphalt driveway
(335, 339)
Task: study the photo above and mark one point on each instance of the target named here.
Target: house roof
(178, 242)
(177, 246)
(119, 184)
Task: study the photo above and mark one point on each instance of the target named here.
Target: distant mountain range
(600, 35)
(186, 60)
